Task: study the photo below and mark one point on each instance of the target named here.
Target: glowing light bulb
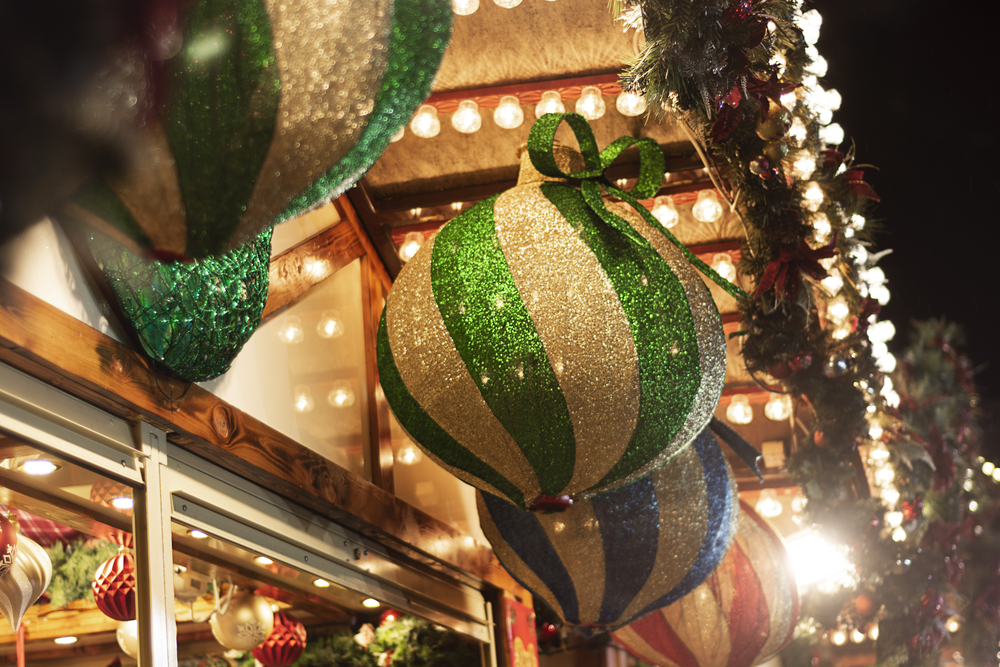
(291, 332)
(822, 229)
(873, 276)
(803, 164)
(464, 7)
(665, 211)
(508, 113)
(885, 475)
(810, 22)
(838, 638)
(898, 535)
(723, 265)
(890, 496)
(263, 560)
(881, 332)
(818, 66)
(551, 102)
(411, 244)
(425, 123)
(833, 282)
(837, 310)
(973, 505)
(996, 475)
(466, 118)
(988, 468)
(875, 433)
(630, 104)
(880, 293)
(303, 399)
(591, 104)
(813, 196)
(768, 504)
(38, 467)
(399, 135)
(198, 534)
(507, 4)
(857, 222)
(953, 624)
(372, 603)
(330, 325)
(857, 636)
(789, 100)
(409, 455)
(859, 254)
(894, 518)
(707, 208)
(873, 632)
(778, 407)
(832, 134)
(65, 640)
(341, 396)
(739, 410)
(321, 583)
(780, 61)
(968, 485)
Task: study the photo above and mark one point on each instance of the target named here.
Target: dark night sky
(919, 85)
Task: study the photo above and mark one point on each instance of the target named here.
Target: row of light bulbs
(466, 7)
(778, 408)
(509, 114)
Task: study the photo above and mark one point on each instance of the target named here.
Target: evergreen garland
(73, 569)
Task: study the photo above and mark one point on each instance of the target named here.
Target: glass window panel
(422, 483)
(303, 373)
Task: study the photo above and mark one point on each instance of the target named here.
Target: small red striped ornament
(744, 613)
(285, 643)
(114, 587)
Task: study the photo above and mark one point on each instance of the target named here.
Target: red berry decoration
(913, 508)
(114, 587)
(285, 643)
(8, 545)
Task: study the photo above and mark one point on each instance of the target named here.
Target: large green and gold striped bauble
(246, 113)
(533, 350)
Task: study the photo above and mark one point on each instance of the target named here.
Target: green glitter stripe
(661, 321)
(421, 30)
(221, 101)
(425, 430)
(98, 198)
(499, 344)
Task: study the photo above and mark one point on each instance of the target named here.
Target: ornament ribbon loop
(747, 452)
(652, 168)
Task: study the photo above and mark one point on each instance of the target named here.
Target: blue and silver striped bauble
(533, 350)
(619, 555)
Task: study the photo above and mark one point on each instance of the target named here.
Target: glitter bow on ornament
(651, 171)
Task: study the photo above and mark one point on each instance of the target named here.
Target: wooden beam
(379, 434)
(297, 270)
(347, 212)
(364, 213)
(41, 340)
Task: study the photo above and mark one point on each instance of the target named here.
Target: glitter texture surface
(268, 109)
(580, 321)
(491, 329)
(193, 318)
(744, 613)
(432, 368)
(617, 555)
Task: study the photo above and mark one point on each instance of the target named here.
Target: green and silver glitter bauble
(194, 318)
(264, 110)
(538, 351)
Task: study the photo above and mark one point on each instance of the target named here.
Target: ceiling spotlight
(38, 467)
(371, 603)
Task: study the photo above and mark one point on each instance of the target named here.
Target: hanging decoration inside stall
(25, 582)
(618, 555)
(127, 635)
(114, 587)
(242, 620)
(543, 345)
(8, 545)
(194, 318)
(249, 113)
(744, 613)
(285, 643)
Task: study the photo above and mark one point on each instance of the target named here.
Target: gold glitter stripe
(699, 622)
(636, 643)
(682, 498)
(582, 324)
(584, 565)
(711, 341)
(774, 580)
(331, 58)
(438, 379)
(512, 561)
(150, 190)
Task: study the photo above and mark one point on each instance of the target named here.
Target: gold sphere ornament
(543, 345)
(242, 621)
(776, 125)
(776, 151)
(25, 582)
(127, 635)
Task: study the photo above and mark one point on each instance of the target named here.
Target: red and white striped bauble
(741, 615)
